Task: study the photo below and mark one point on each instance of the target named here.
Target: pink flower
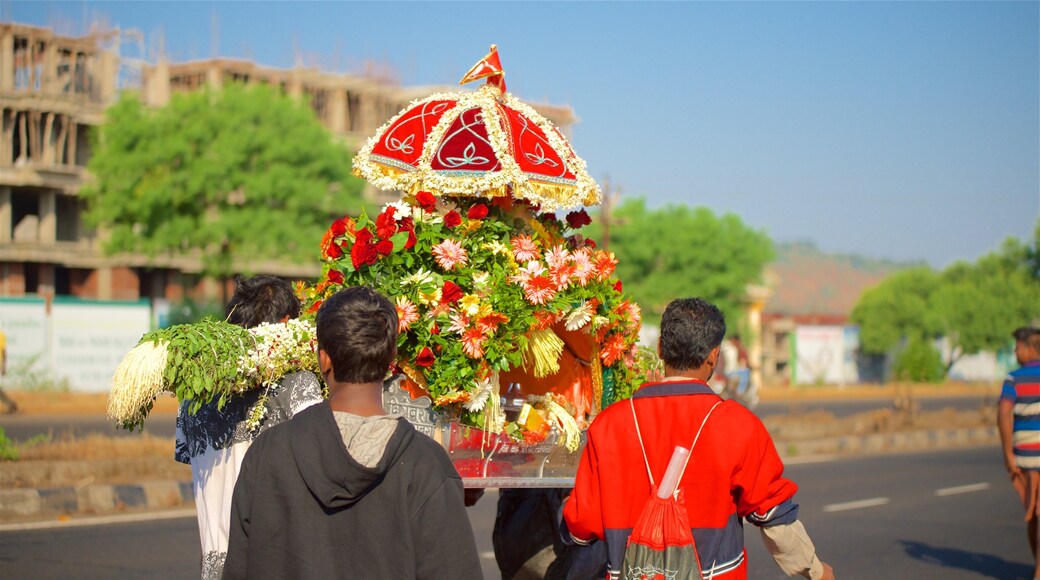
(557, 256)
(449, 254)
(473, 343)
(523, 275)
(407, 313)
(524, 248)
(459, 322)
(583, 267)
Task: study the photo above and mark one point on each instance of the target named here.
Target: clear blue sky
(908, 131)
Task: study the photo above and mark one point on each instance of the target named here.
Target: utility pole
(610, 196)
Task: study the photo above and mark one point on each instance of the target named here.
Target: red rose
(450, 293)
(363, 253)
(339, 227)
(425, 358)
(335, 276)
(579, 218)
(477, 212)
(407, 224)
(452, 219)
(411, 240)
(617, 286)
(549, 217)
(364, 236)
(426, 200)
(386, 225)
(385, 247)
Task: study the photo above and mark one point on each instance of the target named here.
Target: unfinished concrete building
(54, 89)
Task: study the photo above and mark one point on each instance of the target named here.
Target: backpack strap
(696, 437)
(642, 447)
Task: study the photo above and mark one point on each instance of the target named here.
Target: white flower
(480, 280)
(480, 397)
(579, 316)
(401, 209)
(419, 278)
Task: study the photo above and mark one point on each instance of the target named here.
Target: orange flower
(473, 343)
(613, 349)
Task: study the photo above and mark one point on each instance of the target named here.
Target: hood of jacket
(335, 478)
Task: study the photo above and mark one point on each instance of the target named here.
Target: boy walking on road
(344, 490)
(734, 470)
(1018, 419)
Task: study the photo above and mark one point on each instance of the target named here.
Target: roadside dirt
(98, 459)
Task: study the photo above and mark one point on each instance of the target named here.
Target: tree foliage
(676, 251)
(234, 176)
(975, 306)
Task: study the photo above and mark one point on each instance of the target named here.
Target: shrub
(919, 362)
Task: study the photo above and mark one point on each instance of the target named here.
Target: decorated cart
(514, 331)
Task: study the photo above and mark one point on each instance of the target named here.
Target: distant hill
(807, 281)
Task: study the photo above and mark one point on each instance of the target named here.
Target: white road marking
(961, 489)
(100, 520)
(855, 505)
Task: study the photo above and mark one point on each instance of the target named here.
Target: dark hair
(690, 329)
(1028, 335)
(357, 328)
(262, 299)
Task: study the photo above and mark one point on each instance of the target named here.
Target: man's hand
(472, 495)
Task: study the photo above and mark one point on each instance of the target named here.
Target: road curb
(886, 442)
(93, 499)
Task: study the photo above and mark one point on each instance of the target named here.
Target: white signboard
(24, 324)
(91, 338)
(820, 355)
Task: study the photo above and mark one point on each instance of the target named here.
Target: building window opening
(21, 62)
(62, 281)
(68, 209)
(25, 217)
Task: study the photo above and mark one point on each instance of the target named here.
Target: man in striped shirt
(1018, 419)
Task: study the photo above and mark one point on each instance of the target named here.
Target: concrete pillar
(338, 112)
(7, 62)
(157, 92)
(757, 298)
(6, 216)
(215, 76)
(48, 218)
(104, 283)
(46, 286)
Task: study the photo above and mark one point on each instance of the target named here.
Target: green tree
(237, 177)
(978, 305)
(974, 306)
(677, 251)
(896, 309)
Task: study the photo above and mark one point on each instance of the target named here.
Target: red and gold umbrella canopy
(485, 143)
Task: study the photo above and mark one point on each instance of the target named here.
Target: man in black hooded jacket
(343, 490)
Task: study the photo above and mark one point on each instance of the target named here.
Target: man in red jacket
(734, 470)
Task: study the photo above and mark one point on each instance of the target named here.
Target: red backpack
(661, 546)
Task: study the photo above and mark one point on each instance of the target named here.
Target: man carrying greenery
(214, 440)
(1018, 418)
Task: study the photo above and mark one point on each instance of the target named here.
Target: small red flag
(489, 67)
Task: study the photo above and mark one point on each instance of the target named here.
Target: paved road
(948, 515)
(23, 427)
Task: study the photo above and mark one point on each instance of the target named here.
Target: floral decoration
(478, 285)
